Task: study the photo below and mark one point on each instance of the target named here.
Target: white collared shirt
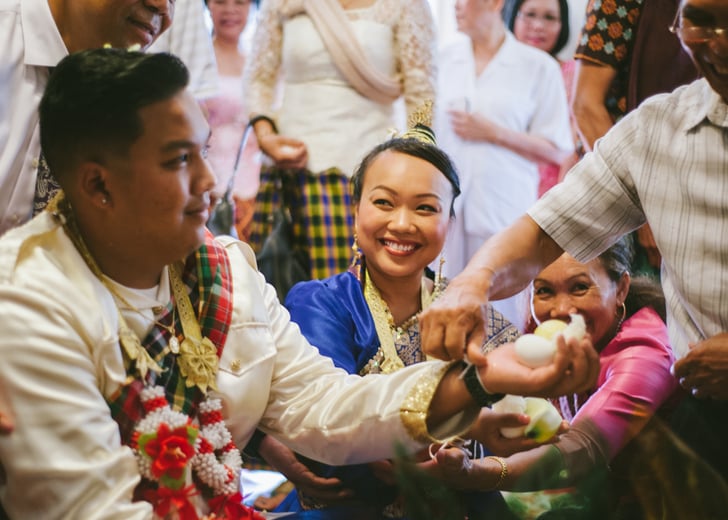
(665, 163)
(29, 44)
(189, 38)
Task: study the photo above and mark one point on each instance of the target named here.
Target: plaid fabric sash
(320, 206)
(208, 279)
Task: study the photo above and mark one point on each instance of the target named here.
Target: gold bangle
(504, 470)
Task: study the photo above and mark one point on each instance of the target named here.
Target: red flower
(231, 507)
(176, 503)
(170, 451)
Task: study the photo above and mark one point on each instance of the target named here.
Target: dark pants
(702, 424)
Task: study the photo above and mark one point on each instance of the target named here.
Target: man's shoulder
(685, 98)
(17, 244)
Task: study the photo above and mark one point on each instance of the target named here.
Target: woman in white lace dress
(313, 123)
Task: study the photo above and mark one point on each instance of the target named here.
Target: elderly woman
(501, 111)
(625, 320)
(544, 24)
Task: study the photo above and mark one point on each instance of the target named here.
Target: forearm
(592, 83)
(533, 470)
(507, 263)
(531, 147)
(592, 121)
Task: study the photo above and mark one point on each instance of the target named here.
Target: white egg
(511, 404)
(535, 351)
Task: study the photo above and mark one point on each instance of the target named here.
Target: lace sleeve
(415, 39)
(264, 62)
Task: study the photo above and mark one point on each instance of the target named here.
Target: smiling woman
(367, 319)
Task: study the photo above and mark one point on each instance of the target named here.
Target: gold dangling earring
(356, 258)
(624, 314)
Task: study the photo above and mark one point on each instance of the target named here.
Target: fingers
(444, 335)
(474, 347)
(432, 334)
(584, 365)
(321, 488)
(574, 369)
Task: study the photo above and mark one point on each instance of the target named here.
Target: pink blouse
(634, 381)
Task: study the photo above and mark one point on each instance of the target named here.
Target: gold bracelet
(504, 470)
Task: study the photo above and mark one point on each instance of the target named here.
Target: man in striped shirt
(665, 164)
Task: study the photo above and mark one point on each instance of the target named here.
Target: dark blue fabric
(334, 316)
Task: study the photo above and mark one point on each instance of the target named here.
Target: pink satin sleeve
(634, 382)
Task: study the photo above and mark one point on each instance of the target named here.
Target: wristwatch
(477, 390)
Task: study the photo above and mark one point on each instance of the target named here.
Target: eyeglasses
(531, 18)
(695, 33)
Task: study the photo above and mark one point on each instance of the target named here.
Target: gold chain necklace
(385, 326)
(173, 341)
(198, 361)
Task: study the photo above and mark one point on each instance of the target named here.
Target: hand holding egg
(535, 350)
(538, 349)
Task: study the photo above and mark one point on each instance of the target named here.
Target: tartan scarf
(209, 282)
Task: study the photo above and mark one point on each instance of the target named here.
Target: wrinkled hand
(456, 321)
(285, 151)
(574, 369)
(453, 467)
(704, 370)
(647, 241)
(282, 459)
(486, 429)
(473, 127)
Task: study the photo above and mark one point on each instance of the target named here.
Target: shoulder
(454, 46)
(28, 247)
(644, 330)
(669, 115)
(691, 99)
(337, 289)
(530, 56)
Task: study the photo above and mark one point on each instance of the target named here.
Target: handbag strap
(238, 155)
(330, 19)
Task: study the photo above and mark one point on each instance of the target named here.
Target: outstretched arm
(503, 266)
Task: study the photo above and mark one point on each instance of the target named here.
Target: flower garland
(169, 447)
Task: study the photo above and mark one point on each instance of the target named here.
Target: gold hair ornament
(419, 123)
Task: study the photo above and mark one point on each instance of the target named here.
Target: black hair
(92, 101)
(413, 147)
(643, 290)
(514, 6)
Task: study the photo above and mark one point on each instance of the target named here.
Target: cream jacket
(61, 359)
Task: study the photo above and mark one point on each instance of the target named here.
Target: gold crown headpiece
(419, 124)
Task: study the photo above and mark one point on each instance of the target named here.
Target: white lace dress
(291, 77)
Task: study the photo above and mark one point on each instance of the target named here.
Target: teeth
(399, 247)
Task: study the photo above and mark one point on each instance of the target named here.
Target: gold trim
(198, 361)
(416, 404)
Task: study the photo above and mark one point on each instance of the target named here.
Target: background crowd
(451, 174)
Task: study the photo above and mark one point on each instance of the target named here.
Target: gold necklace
(389, 361)
(197, 361)
(173, 341)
